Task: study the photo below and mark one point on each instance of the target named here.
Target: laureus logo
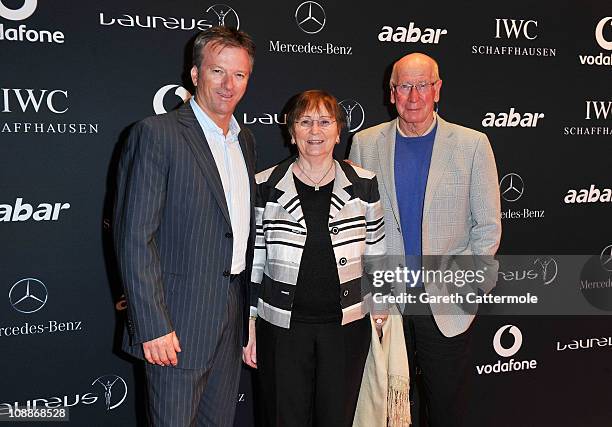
(115, 390)
(355, 116)
(223, 15)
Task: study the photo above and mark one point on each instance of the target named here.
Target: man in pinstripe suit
(184, 229)
(441, 198)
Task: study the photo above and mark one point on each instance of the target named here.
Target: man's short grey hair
(222, 37)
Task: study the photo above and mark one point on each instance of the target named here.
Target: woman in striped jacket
(316, 218)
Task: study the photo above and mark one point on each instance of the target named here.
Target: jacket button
(229, 235)
(335, 230)
(345, 293)
(226, 273)
(342, 261)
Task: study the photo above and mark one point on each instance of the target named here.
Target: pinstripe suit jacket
(355, 226)
(173, 236)
(461, 212)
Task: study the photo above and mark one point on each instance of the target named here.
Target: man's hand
(162, 351)
(249, 353)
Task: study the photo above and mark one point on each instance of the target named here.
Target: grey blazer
(461, 212)
(173, 236)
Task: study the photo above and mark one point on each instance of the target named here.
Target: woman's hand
(379, 321)
(249, 353)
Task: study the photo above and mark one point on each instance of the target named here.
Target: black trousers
(440, 373)
(310, 374)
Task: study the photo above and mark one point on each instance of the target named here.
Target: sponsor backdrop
(76, 75)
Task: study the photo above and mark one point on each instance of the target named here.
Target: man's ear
(194, 76)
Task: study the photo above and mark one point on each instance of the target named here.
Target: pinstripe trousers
(201, 397)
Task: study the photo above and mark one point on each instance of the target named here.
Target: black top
(317, 294)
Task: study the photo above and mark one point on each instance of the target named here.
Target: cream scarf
(383, 397)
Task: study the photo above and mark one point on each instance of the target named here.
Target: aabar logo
(590, 195)
(512, 119)
(412, 34)
(20, 212)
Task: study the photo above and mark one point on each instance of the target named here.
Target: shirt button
(345, 293)
(226, 273)
(342, 261)
(229, 235)
(335, 230)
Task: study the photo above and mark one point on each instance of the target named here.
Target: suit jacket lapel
(339, 195)
(249, 160)
(199, 146)
(386, 156)
(444, 145)
(289, 200)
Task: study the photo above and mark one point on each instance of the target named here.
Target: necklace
(316, 183)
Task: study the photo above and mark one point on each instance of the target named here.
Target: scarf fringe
(398, 402)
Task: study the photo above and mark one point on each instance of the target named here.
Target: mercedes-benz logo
(606, 258)
(108, 381)
(310, 17)
(518, 341)
(226, 15)
(355, 116)
(158, 99)
(28, 295)
(511, 187)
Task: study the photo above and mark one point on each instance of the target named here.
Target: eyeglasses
(308, 123)
(404, 88)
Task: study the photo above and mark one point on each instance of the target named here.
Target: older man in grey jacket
(439, 187)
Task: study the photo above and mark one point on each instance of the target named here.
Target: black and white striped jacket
(356, 226)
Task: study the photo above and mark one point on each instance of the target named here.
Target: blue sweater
(412, 159)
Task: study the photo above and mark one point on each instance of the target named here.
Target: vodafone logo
(512, 350)
(19, 14)
(506, 365)
(599, 33)
(158, 99)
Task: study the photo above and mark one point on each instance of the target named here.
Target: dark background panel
(111, 74)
